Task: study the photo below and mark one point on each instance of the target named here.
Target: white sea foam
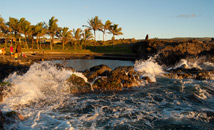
(43, 88)
(149, 68)
(198, 63)
(187, 64)
(40, 82)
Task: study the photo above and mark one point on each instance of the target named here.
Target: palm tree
(65, 34)
(3, 29)
(19, 27)
(39, 30)
(13, 27)
(52, 28)
(87, 35)
(115, 31)
(106, 26)
(77, 35)
(2, 26)
(13, 23)
(26, 29)
(95, 24)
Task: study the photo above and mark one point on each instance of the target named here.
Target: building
(4, 39)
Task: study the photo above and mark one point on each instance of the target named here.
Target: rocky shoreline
(171, 52)
(102, 78)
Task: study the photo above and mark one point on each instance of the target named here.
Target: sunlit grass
(71, 49)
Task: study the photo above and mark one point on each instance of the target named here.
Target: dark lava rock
(2, 120)
(121, 77)
(15, 115)
(106, 80)
(62, 66)
(172, 51)
(78, 85)
(7, 69)
(193, 73)
(3, 86)
(100, 70)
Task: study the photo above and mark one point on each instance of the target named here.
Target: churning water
(41, 95)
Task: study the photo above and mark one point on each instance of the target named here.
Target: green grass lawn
(112, 49)
(109, 49)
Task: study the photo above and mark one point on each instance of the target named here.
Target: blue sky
(158, 18)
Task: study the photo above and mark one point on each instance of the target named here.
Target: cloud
(187, 16)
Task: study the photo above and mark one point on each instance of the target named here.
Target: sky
(157, 18)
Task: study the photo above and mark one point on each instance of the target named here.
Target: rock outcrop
(103, 79)
(78, 85)
(10, 117)
(2, 120)
(100, 70)
(6, 69)
(172, 51)
(14, 115)
(193, 73)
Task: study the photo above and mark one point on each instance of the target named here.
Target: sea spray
(40, 82)
(149, 68)
(189, 63)
(39, 91)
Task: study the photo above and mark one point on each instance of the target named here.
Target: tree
(65, 34)
(26, 29)
(87, 35)
(14, 24)
(105, 27)
(13, 27)
(52, 28)
(40, 30)
(95, 24)
(19, 27)
(115, 31)
(4, 29)
(77, 35)
(2, 26)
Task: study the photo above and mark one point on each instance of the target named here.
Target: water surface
(83, 64)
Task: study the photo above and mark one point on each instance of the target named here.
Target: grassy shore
(113, 52)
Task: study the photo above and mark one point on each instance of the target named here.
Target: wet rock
(6, 69)
(106, 80)
(147, 79)
(15, 115)
(121, 77)
(78, 85)
(106, 84)
(2, 120)
(172, 51)
(3, 86)
(193, 73)
(100, 70)
(62, 66)
(203, 76)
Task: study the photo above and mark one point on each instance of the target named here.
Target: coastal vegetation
(37, 37)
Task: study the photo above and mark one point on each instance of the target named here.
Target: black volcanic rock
(170, 52)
